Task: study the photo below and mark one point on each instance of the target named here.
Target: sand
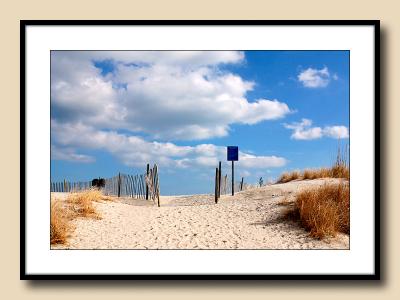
(249, 220)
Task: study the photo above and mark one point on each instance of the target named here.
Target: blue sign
(233, 153)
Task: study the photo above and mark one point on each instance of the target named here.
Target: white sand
(250, 220)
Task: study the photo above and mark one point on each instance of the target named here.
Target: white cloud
(303, 131)
(69, 154)
(307, 134)
(135, 151)
(314, 78)
(337, 132)
(167, 95)
(244, 173)
(253, 161)
(141, 99)
(183, 58)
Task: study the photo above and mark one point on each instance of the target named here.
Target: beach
(252, 219)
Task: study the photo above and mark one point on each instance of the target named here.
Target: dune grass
(323, 211)
(316, 173)
(339, 169)
(289, 176)
(77, 205)
(81, 204)
(60, 226)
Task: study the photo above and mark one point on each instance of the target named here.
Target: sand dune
(250, 220)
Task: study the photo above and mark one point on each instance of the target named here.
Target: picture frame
(28, 207)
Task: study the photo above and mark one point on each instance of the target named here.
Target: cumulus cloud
(336, 132)
(165, 94)
(314, 78)
(253, 161)
(135, 151)
(69, 154)
(304, 131)
(130, 103)
(183, 58)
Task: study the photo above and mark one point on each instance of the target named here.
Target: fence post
(119, 184)
(216, 185)
(158, 184)
(241, 185)
(65, 186)
(135, 187)
(147, 186)
(219, 180)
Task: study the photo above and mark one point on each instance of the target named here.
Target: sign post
(233, 155)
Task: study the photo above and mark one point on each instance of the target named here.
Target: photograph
(141, 155)
(200, 149)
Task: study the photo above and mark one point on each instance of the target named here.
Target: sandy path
(249, 220)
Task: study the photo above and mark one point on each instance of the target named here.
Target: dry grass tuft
(289, 176)
(339, 169)
(324, 211)
(59, 222)
(81, 203)
(316, 173)
(78, 204)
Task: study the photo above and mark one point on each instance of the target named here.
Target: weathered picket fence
(67, 186)
(226, 185)
(223, 184)
(140, 186)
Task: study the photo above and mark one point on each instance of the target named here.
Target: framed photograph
(200, 150)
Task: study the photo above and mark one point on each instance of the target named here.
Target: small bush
(325, 210)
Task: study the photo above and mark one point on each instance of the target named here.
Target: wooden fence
(223, 184)
(226, 185)
(67, 186)
(141, 186)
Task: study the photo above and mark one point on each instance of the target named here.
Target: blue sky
(115, 111)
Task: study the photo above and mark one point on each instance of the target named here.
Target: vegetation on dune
(81, 204)
(323, 211)
(60, 226)
(289, 176)
(76, 205)
(339, 169)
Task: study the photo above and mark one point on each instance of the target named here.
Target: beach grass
(339, 169)
(81, 204)
(289, 176)
(77, 205)
(323, 211)
(60, 226)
